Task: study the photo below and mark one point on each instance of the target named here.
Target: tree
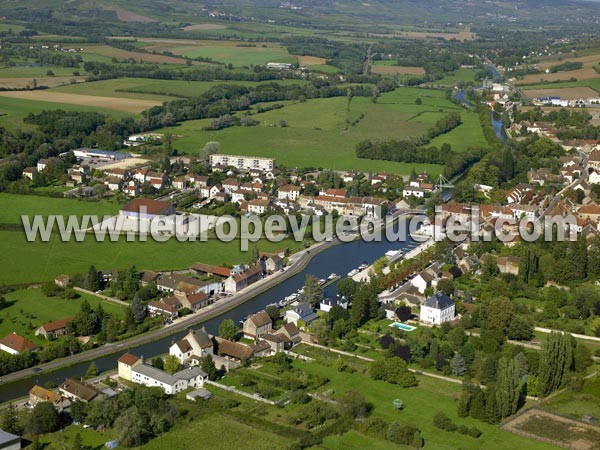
(227, 329)
(132, 427)
(158, 363)
(347, 288)
(77, 442)
(556, 359)
(86, 321)
(171, 364)
(79, 411)
(446, 285)
(210, 148)
(92, 371)
(498, 313)
(312, 291)
(508, 387)
(139, 311)
(10, 420)
(354, 404)
(520, 329)
(458, 365)
(43, 419)
(92, 280)
(208, 367)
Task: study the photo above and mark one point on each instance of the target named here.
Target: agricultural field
(26, 83)
(560, 430)
(390, 68)
(149, 89)
(228, 52)
(587, 60)
(568, 93)
(28, 309)
(580, 74)
(460, 75)
(127, 105)
(14, 109)
(112, 52)
(316, 134)
(592, 83)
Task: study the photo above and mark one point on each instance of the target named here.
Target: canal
(339, 259)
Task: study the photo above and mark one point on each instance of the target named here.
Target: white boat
(322, 281)
(353, 272)
(363, 266)
(332, 276)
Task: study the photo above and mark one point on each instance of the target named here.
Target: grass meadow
(316, 134)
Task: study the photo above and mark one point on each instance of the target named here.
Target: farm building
(146, 208)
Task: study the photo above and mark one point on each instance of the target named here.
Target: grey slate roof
(439, 300)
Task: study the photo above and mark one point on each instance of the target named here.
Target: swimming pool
(402, 326)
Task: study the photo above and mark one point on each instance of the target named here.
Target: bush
(443, 422)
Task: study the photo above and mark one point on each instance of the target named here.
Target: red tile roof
(17, 343)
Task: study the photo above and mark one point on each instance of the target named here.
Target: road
(299, 261)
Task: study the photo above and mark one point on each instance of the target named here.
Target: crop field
(128, 105)
(460, 75)
(564, 432)
(568, 93)
(204, 27)
(316, 134)
(229, 52)
(13, 110)
(464, 35)
(112, 52)
(579, 74)
(311, 61)
(587, 60)
(26, 83)
(37, 72)
(593, 83)
(28, 309)
(149, 89)
(389, 68)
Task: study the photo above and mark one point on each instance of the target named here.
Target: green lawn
(12, 206)
(420, 404)
(217, 432)
(30, 308)
(42, 261)
(316, 134)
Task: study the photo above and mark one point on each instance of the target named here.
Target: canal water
(339, 259)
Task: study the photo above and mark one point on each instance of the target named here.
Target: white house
(594, 177)
(413, 191)
(328, 303)
(171, 384)
(127, 362)
(301, 312)
(437, 309)
(194, 346)
(288, 192)
(422, 281)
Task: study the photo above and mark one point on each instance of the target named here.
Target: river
(339, 259)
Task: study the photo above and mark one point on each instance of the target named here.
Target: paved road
(299, 261)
